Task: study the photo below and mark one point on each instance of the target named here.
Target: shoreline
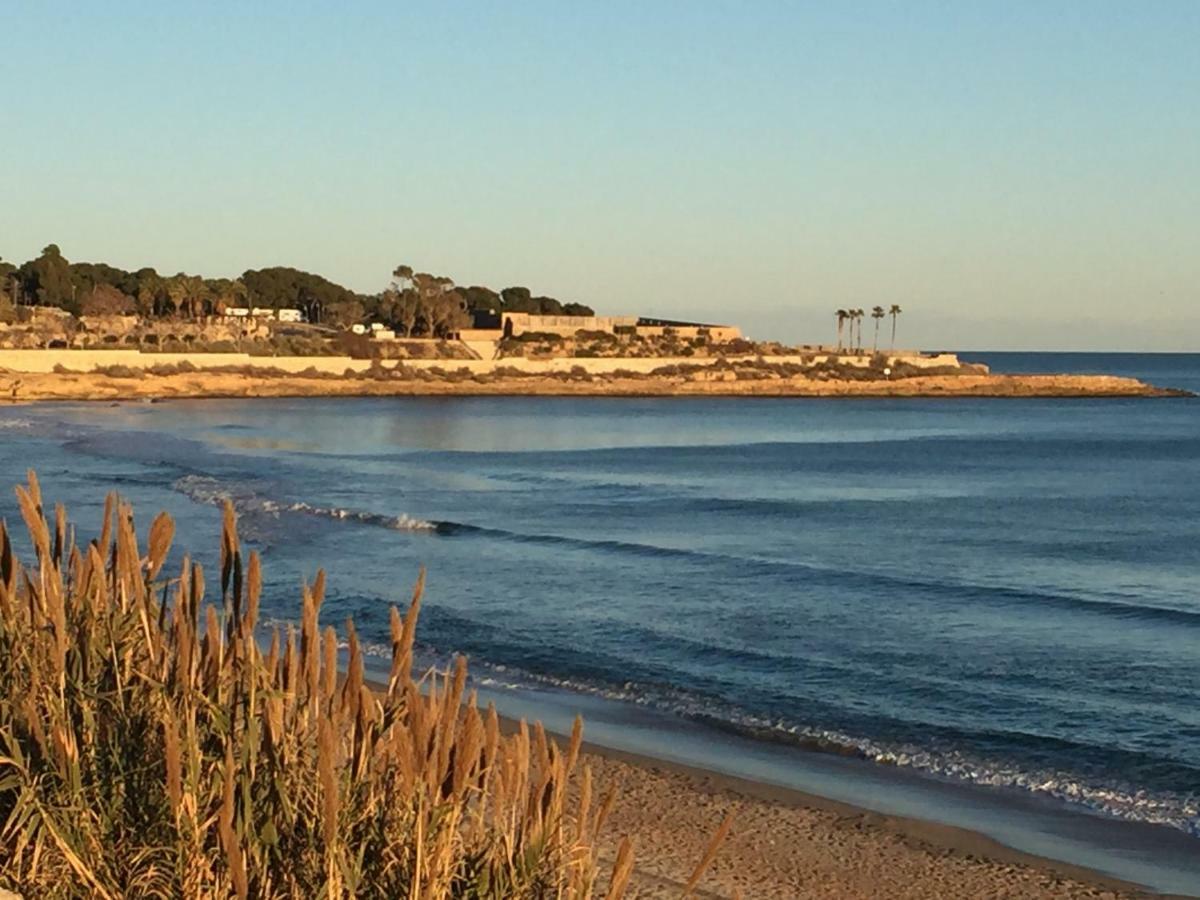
(74, 386)
(789, 841)
(926, 846)
(844, 819)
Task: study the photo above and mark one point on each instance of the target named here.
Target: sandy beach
(789, 844)
(26, 386)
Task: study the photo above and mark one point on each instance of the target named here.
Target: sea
(997, 596)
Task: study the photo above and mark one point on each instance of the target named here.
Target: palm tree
(842, 316)
(858, 317)
(893, 312)
(877, 313)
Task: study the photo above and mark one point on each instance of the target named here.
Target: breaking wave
(209, 490)
(204, 489)
(1176, 809)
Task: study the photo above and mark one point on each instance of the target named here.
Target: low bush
(510, 372)
(119, 371)
(737, 346)
(377, 371)
(219, 347)
(599, 337)
(182, 367)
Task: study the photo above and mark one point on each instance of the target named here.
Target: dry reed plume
(150, 748)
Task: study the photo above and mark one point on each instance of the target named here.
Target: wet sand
(786, 844)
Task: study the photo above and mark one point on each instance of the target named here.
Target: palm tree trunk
(893, 331)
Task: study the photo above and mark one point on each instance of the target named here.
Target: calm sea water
(999, 592)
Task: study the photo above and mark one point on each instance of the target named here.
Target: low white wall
(482, 349)
(86, 360)
(42, 361)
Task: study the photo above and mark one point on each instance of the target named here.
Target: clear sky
(1014, 174)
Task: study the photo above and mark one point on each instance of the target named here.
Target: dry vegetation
(149, 747)
(750, 369)
(605, 344)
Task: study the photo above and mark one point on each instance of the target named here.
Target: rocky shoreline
(201, 383)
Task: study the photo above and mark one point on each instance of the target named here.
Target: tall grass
(149, 747)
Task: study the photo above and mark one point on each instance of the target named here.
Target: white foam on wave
(1177, 809)
(204, 489)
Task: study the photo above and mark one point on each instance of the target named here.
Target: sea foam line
(203, 489)
(1176, 809)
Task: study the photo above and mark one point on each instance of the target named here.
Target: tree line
(414, 303)
(854, 317)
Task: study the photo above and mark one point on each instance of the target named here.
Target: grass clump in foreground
(150, 748)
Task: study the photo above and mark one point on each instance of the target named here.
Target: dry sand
(785, 844)
(20, 386)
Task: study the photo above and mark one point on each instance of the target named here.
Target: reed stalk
(149, 748)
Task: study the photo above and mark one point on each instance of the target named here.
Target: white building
(384, 334)
(358, 328)
(290, 315)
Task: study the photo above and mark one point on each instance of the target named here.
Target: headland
(68, 374)
(90, 331)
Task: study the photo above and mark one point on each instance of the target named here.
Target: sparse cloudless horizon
(1016, 175)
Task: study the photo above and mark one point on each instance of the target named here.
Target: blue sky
(1015, 174)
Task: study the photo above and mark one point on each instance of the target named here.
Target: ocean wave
(204, 489)
(1176, 809)
(1180, 810)
(866, 581)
